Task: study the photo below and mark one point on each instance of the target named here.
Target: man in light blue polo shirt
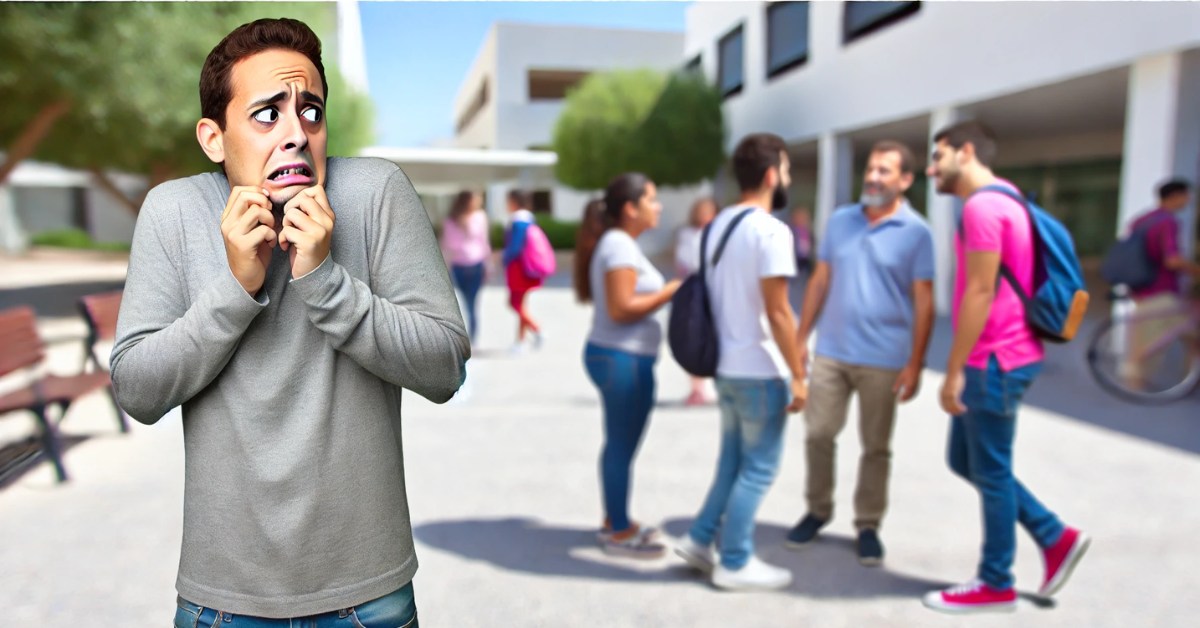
(874, 281)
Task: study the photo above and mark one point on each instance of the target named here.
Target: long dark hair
(599, 216)
(461, 206)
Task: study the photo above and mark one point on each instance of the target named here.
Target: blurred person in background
(467, 250)
(802, 237)
(687, 262)
(1159, 307)
(622, 346)
(994, 359)
(519, 283)
(871, 303)
(287, 341)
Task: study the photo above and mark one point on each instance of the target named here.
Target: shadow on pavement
(21, 457)
(1066, 387)
(826, 570)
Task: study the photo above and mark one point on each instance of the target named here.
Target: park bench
(22, 349)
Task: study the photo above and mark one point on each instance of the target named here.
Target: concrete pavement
(504, 494)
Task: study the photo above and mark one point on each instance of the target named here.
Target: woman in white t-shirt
(687, 262)
(623, 344)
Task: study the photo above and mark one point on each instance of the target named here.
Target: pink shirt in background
(993, 222)
(466, 245)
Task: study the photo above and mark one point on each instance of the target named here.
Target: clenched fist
(248, 228)
(307, 230)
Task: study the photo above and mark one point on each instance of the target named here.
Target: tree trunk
(159, 172)
(34, 133)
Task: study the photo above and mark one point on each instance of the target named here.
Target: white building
(1094, 103)
(513, 94)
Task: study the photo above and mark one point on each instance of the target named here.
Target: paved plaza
(504, 493)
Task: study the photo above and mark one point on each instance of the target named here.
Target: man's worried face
(274, 135)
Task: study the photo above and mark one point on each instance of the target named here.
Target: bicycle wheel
(1167, 371)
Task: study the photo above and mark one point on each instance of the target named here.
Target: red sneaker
(1061, 559)
(972, 597)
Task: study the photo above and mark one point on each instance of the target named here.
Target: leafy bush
(560, 233)
(75, 239)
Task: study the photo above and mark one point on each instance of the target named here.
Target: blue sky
(419, 52)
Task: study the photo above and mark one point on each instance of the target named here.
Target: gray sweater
(294, 498)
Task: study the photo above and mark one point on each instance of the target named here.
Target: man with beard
(871, 300)
(760, 377)
(994, 359)
(287, 340)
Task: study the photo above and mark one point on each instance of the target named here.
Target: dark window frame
(477, 104)
(792, 63)
(737, 31)
(910, 8)
(695, 64)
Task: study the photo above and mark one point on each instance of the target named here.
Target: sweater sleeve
(405, 326)
(167, 350)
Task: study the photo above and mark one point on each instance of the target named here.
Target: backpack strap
(1005, 272)
(720, 245)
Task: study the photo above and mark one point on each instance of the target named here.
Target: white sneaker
(698, 556)
(539, 339)
(519, 348)
(754, 576)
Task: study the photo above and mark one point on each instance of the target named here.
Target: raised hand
(307, 230)
(248, 230)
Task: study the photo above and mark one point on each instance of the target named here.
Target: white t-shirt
(760, 247)
(617, 249)
(687, 250)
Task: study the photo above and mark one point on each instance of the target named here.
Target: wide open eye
(312, 114)
(266, 116)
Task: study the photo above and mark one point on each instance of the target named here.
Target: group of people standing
(870, 303)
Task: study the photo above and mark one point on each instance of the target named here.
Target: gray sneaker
(643, 544)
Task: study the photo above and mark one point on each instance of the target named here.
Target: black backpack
(691, 333)
(1128, 261)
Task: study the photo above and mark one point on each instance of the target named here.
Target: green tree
(667, 126)
(113, 86)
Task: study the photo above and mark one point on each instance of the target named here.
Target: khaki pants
(830, 388)
(1154, 318)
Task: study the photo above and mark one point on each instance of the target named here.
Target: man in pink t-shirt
(994, 359)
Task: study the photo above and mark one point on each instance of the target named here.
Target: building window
(541, 202)
(861, 18)
(695, 66)
(553, 84)
(729, 63)
(473, 109)
(787, 36)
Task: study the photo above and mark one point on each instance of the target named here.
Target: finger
(252, 219)
(297, 218)
(318, 194)
(310, 207)
(245, 199)
(260, 235)
(294, 237)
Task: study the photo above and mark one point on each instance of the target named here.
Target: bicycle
(1151, 357)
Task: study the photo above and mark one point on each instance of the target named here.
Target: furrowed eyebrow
(310, 97)
(270, 100)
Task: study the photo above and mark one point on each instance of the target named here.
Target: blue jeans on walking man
(753, 417)
(980, 451)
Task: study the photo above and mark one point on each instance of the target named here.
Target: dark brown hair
(216, 89)
(521, 198)
(599, 216)
(891, 146)
(754, 156)
(975, 132)
(461, 207)
(1173, 187)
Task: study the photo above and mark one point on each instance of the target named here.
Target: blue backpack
(1059, 300)
(1128, 262)
(691, 331)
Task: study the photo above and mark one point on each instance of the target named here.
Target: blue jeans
(980, 450)
(397, 609)
(469, 279)
(753, 416)
(626, 384)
